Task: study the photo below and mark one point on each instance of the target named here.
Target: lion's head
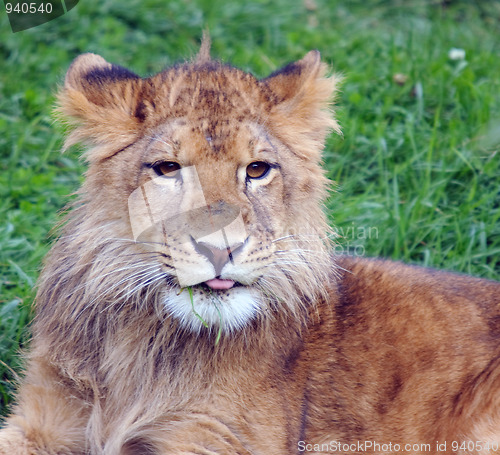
(204, 192)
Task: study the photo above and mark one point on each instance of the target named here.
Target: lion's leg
(478, 413)
(486, 430)
(47, 418)
(199, 433)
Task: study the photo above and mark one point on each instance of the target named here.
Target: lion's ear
(304, 97)
(100, 101)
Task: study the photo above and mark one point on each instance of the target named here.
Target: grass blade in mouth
(219, 332)
(190, 291)
(205, 324)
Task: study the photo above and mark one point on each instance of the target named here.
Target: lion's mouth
(220, 284)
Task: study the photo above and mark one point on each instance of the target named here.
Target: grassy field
(418, 166)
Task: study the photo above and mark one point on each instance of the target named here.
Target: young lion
(192, 304)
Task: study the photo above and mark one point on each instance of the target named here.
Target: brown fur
(336, 349)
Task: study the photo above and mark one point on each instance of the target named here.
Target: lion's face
(206, 204)
(214, 178)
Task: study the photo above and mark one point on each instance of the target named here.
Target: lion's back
(408, 348)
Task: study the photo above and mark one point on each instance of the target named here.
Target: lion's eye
(258, 169)
(167, 168)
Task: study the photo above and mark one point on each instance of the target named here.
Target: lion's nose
(218, 257)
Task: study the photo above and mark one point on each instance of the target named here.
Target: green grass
(417, 168)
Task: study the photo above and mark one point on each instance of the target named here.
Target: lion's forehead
(216, 137)
(211, 90)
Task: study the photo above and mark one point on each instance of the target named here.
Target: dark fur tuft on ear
(304, 101)
(92, 68)
(99, 100)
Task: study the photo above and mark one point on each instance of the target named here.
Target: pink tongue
(217, 283)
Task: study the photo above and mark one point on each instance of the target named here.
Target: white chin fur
(231, 310)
